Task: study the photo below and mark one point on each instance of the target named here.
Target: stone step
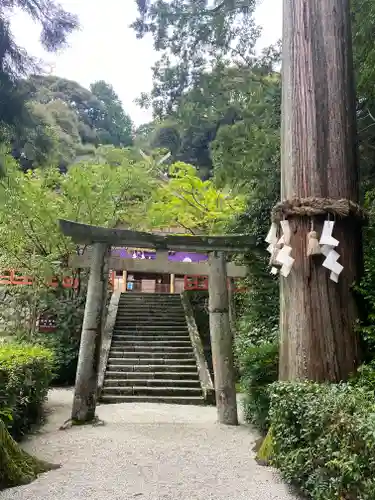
(157, 311)
(170, 334)
(150, 305)
(150, 334)
(149, 347)
(155, 338)
(130, 320)
(134, 382)
(121, 366)
(123, 342)
(151, 326)
(157, 375)
(154, 318)
(146, 355)
(154, 302)
(153, 391)
(187, 400)
(150, 298)
(151, 360)
(144, 294)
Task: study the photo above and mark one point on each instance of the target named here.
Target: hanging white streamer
(286, 231)
(272, 234)
(326, 237)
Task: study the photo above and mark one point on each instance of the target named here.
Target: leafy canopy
(195, 205)
(192, 37)
(15, 62)
(31, 204)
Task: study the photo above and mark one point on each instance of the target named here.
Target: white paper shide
(279, 248)
(328, 244)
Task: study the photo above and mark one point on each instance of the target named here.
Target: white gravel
(147, 452)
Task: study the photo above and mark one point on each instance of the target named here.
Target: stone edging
(203, 371)
(107, 337)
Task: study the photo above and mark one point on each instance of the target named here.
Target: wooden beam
(86, 234)
(222, 341)
(157, 266)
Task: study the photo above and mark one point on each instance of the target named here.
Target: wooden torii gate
(100, 240)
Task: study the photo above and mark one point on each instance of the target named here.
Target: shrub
(25, 375)
(324, 439)
(365, 377)
(64, 342)
(65, 356)
(259, 369)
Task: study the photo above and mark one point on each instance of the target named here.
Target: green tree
(195, 205)
(88, 108)
(15, 62)
(191, 37)
(114, 126)
(96, 193)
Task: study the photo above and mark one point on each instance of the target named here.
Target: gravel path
(147, 452)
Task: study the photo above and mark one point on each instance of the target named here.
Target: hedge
(324, 439)
(259, 369)
(25, 375)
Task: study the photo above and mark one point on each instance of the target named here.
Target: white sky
(106, 48)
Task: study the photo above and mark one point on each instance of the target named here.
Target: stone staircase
(151, 358)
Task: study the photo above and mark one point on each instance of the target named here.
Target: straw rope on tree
(16, 466)
(314, 206)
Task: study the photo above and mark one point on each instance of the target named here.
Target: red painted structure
(198, 282)
(13, 277)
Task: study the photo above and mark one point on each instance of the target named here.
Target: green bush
(65, 356)
(64, 342)
(324, 439)
(25, 375)
(365, 377)
(259, 369)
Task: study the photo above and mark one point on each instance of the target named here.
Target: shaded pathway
(148, 452)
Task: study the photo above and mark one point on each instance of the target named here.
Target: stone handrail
(203, 371)
(107, 337)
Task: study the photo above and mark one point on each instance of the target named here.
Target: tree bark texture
(319, 158)
(85, 394)
(221, 341)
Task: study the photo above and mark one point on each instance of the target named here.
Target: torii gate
(101, 239)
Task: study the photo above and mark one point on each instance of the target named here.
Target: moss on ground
(16, 466)
(265, 452)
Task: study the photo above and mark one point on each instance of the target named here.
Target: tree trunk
(222, 341)
(319, 159)
(85, 394)
(16, 466)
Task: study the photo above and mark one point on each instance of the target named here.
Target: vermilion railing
(14, 277)
(198, 282)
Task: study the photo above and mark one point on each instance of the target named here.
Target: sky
(105, 48)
